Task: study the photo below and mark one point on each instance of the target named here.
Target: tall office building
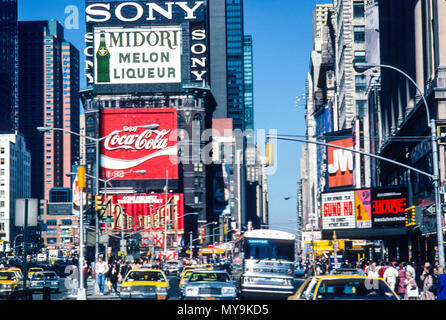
(15, 180)
(235, 58)
(48, 95)
(248, 82)
(8, 64)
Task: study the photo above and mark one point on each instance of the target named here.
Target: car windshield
(270, 249)
(209, 276)
(145, 276)
(7, 276)
(368, 289)
(44, 275)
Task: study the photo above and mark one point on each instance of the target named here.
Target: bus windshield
(269, 249)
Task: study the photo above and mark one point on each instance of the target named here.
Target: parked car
(44, 279)
(145, 284)
(344, 287)
(209, 285)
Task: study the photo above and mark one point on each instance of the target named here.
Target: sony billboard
(132, 44)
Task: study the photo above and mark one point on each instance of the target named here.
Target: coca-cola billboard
(139, 139)
(147, 214)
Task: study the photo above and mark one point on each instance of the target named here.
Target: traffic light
(410, 217)
(269, 154)
(97, 203)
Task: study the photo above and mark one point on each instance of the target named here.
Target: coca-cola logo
(147, 140)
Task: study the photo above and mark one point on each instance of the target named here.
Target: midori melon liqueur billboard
(137, 55)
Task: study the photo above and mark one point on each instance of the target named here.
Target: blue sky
(282, 42)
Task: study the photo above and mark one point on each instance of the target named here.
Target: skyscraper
(249, 82)
(48, 95)
(235, 57)
(8, 64)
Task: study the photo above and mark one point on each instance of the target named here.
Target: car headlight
(191, 291)
(228, 291)
(34, 283)
(125, 289)
(161, 289)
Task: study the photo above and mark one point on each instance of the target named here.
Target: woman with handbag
(411, 292)
(427, 278)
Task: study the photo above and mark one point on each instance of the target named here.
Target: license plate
(209, 298)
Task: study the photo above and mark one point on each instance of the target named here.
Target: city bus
(263, 264)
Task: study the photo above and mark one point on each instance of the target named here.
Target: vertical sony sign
(199, 52)
(340, 163)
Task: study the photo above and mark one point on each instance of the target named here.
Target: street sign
(431, 210)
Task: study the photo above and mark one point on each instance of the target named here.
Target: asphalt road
(65, 290)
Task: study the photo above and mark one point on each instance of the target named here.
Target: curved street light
(362, 67)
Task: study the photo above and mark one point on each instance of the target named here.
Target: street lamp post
(362, 67)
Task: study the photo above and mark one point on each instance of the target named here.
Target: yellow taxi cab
(18, 271)
(31, 271)
(198, 266)
(9, 283)
(145, 284)
(344, 287)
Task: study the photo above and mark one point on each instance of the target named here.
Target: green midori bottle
(103, 61)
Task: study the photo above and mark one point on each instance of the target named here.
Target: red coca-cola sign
(137, 140)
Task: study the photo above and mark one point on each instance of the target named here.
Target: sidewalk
(92, 293)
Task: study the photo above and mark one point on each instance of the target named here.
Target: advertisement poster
(340, 163)
(389, 207)
(147, 213)
(139, 139)
(363, 208)
(338, 210)
(145, 55)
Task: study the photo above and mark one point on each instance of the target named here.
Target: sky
(282, 43)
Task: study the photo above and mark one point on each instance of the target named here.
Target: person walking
(401, 287)
(411, 289)
(441, 280)
(427, 278)
(125, 269)
(373, 270)
(391, 276)
(101, 269)
(114, 275)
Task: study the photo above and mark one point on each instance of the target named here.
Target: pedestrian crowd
(411, 281)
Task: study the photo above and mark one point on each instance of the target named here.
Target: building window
(67, 222)
(51, 222)
(359, 34)
(360, 107)
(359, 56)
(2, 227)
(358, 9)
(360, 83)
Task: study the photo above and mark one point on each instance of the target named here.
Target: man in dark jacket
(125, 268)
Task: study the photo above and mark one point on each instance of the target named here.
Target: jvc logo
(342, 160)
